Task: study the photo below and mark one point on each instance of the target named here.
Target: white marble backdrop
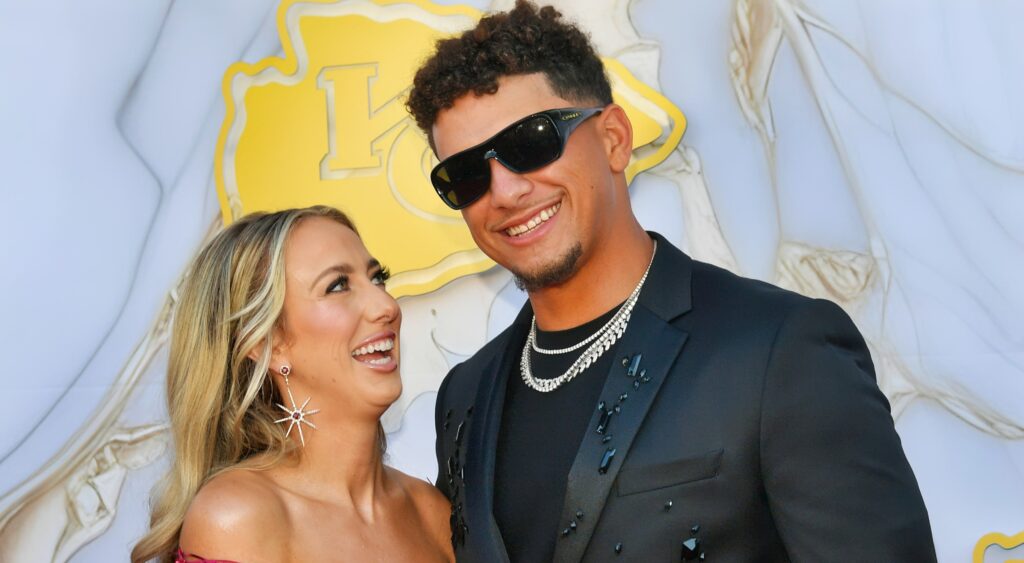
(868, 151)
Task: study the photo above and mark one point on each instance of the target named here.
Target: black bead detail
(458, 525)
(691, 550)
(634, 365)
(606, 461)
(668, 505)
(618, 548)
(579, 514)
(605, 418)
(455, 478)
(458, 433)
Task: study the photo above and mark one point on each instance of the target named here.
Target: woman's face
(340, 330)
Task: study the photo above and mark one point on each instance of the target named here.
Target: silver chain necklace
(552, 352)
(601, 340)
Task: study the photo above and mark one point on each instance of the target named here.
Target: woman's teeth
(379, 346)
(535, 222)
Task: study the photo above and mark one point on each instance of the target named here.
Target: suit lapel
(645, 356)
(483, 538)
(647, 351)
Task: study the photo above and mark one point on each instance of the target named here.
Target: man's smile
(533, 222)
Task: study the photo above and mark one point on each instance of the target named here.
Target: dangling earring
(296, 415)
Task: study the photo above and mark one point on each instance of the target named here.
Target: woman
(284, 355)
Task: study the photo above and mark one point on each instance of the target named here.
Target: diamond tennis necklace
(599, 342)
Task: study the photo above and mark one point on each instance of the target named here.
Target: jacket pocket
(676, 472)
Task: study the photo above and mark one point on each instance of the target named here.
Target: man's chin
(551, 274)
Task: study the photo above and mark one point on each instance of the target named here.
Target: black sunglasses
(528, 144)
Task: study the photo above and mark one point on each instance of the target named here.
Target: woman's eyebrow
(337, 268)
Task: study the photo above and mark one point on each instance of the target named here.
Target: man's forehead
(473, 119)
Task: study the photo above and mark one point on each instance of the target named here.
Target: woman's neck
(340, 462)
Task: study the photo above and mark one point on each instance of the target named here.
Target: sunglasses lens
(461, 180)
(529, 145)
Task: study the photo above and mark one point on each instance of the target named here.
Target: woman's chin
(387, 390)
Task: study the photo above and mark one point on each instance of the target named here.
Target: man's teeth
(535, 222)
(385, 345)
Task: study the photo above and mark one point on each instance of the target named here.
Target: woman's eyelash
(340, 282)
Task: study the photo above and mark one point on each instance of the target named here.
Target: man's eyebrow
(337, 268)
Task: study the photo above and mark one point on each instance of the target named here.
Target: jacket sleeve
(837, 480)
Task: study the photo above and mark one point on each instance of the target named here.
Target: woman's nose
(384, 308)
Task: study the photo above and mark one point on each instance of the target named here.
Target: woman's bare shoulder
(426, 496)
(238, 515)
(433, 508)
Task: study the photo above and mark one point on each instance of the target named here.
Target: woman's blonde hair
(221, 401)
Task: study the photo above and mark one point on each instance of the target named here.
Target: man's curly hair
(523, 40)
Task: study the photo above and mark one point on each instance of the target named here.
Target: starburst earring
(297, 414)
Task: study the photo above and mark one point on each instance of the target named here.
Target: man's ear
(617, 132)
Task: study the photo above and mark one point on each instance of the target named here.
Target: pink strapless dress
(193, 558)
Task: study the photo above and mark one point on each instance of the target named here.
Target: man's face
(542, 225)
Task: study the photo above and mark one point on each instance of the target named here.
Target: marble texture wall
(865, 151)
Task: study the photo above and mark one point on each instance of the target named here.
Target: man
(643, 406)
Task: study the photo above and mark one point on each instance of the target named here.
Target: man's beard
(555, 273)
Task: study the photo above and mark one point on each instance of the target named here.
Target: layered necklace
(599, 342)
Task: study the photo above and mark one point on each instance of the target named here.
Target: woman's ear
(617, 132)
(278, 351)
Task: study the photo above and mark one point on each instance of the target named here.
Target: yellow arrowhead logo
(995, 539)
(326, 124)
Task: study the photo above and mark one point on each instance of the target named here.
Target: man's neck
(604, 280)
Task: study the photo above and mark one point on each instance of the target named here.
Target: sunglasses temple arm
(565, 128)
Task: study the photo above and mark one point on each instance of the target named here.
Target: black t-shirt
(540, 434)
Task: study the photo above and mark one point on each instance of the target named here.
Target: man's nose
(507, 187)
